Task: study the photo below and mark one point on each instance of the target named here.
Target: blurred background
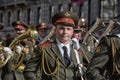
(36, 11)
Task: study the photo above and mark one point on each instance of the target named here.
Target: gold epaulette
(46, 44)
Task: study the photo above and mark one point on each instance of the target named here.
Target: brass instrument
(30, 33)
(115, 28)
(4, 57)
(90, 39)
(93, 28)
(49, 36)
(109, 28)
(17, 58)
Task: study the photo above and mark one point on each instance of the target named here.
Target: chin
(65, 40)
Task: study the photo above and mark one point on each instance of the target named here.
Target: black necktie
(66, 57)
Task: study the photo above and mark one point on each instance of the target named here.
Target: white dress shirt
(60, 46)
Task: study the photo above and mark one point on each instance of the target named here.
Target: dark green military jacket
(52, 64)
(102, 65)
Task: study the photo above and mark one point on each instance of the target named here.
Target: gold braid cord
(115, 53)
(86, 57)
(45, 61)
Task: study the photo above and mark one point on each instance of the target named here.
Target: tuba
(18, 58)
(90, 39)
(94, 28)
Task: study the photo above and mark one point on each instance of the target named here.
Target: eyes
(18, 29)
(43, 30)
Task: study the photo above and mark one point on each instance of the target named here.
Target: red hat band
(42, 27)
(20, 26)
(67, 20)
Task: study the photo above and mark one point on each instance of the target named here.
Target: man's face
(42, 33)
(19, 30)
(64, 33)
(77, 35)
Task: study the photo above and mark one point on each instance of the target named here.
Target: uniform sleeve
(99, 61)
(32, 65)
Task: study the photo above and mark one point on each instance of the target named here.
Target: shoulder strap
(84, 53)
(79, 64)
(77, 56)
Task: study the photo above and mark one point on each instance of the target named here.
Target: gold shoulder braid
(115, 54)
(54, 73)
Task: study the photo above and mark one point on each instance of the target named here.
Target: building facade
(36, 11)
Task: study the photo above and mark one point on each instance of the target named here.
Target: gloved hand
(8, 50)
(18, 49)
(75, 43)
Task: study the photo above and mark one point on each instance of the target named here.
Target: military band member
(106, 60)
(82, 23)
(22, 47)
(42, 29)
(77, 33)
(82, 47)
(20, 27)
(57, 59)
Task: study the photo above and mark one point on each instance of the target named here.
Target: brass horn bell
(18, 58)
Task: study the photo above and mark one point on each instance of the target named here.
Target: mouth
(64, 36)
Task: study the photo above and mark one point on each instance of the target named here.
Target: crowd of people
(63, 57)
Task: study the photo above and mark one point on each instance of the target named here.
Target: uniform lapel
(57, 52)
(73, 57)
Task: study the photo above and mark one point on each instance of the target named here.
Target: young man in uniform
(82, 23)
(57, 59)
(82, 48)
(42, 29)
(23, 47)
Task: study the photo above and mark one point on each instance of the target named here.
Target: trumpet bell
(17, 59)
